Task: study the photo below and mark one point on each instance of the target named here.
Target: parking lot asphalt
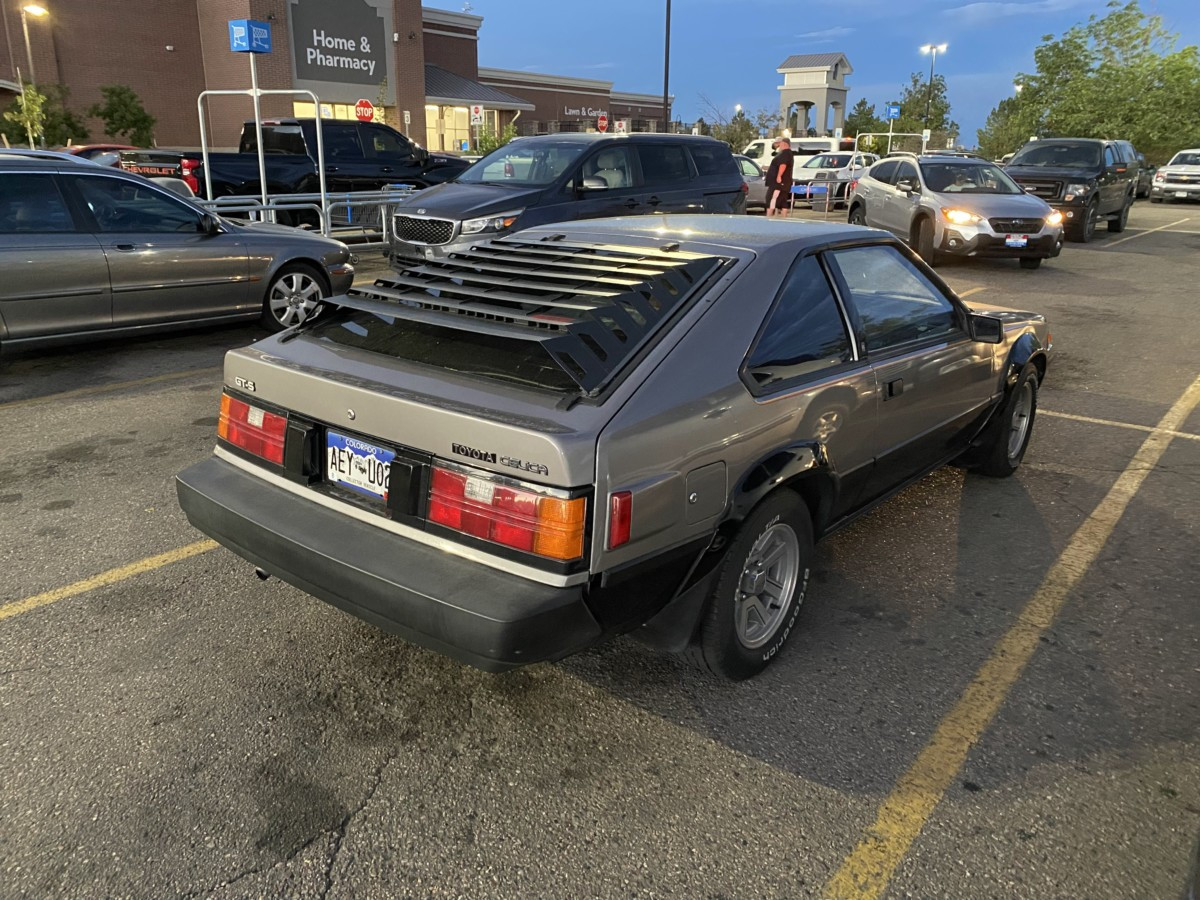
(995, 691)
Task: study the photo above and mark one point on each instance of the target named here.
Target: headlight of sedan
(961, 216)
(498, 222)
(1076, 190)
(1055, 218)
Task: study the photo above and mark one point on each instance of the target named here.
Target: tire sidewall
(998, 462)
(268, 317)
(723, 650)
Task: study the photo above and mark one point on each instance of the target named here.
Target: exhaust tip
(262, 574)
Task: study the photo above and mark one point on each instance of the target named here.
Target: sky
(727, 50)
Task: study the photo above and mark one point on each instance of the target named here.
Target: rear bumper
(463, 609)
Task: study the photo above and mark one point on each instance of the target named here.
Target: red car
(88, 151)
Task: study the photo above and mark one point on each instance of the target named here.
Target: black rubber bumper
(463, 609)
(985, 245)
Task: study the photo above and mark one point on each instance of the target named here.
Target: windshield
(1058, 155)
(1185, 159)
(967, 178)
(829, 161)
(525, 163)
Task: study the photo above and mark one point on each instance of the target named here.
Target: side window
(896, 303)
(664, 164)
(32, 204)
(611, 165)
(906, 170)
(885, 171)
(386, 143)
(341, 140)
(125, 207)
(714, 159)
(805, 333)
(1110, 157)
(748, 168)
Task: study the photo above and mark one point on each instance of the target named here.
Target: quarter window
(32, 204)
(805, 333)
(896, 303)
(126, 207)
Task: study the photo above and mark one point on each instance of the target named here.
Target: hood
(991, 206)
(1049, 173)
(1179, 170)
(459, 200)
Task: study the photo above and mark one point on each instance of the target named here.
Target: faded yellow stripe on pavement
(867, 870)
(970, 291)
(104, 579)
(114, 386)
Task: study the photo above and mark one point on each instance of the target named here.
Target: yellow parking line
(104, 579)
(1187, 435)
(970, 291)
(865, 873)
(114, 386)
(1144, 233)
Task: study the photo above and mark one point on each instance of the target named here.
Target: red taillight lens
(620, 517)
(189, 167)
(745, 187)
(490, 508)
(252, 429)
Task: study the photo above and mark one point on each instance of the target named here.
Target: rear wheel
(1030, 262)
(1117, 225)
(759, 590)
(293, 296)
(924, 241)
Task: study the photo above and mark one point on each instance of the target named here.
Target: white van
(760, 150)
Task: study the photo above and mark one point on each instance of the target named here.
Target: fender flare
(804, 466)
(1025, 349)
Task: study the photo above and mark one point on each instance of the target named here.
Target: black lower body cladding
(490, 619)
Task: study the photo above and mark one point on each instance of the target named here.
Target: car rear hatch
(464, 396)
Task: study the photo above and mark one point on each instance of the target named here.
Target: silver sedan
(756, 182)
(102, 252)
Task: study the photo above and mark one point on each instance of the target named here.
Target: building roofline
(490, 104)
(446, 17)
(539, 78)
(640, 99)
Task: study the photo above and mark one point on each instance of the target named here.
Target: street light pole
(933, 49)
(667, 71)
(34, 10)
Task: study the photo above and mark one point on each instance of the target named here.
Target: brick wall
(409, 65)
(453, 54)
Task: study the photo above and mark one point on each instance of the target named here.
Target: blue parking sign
(249, 36)
(892, 111)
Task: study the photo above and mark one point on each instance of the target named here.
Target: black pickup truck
(1083, 178)
(359, 156)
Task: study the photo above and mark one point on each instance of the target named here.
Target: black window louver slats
(590, 306)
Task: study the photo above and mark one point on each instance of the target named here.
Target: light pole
(667, 71)
(37, 11)
(933, 49)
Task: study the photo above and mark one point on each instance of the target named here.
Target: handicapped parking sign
(249, 36)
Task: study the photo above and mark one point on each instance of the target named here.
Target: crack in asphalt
(340, 832)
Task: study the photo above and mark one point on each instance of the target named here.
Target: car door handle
(893, 389)
(331, 168)
(125, 248)
(385, 169)
(654, 201)
(631, 203)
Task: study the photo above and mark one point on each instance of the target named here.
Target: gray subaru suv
(956, 205)
(632, 425)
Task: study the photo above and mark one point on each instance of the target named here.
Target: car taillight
(188, 167)
(497, 510)
(620, 518)
(252, 429)
(745, 188)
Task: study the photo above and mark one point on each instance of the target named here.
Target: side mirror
(1117, 170)
(906, 184)
(593, 184)
(420, 154)
(210, 225)
(986, 329)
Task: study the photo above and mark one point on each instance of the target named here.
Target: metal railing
(360, 218)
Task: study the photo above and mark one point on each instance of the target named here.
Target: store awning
(448, 89)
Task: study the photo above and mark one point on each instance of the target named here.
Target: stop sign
(602, 123)
(364, 110)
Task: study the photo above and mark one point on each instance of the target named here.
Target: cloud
(827, 34)
(987, 11)
(603, 65)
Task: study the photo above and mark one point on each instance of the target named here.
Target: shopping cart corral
(358, 218)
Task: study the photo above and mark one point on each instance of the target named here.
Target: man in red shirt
(779, 179)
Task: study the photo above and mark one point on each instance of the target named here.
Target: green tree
(862, 119)
(913, 101)
(63, 125)
(26, 116)
(488, 139)
(124, 115)
(768, 120)
(737, 132)
(1116, 75)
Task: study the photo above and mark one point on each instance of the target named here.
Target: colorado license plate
(1016, 240)
(357, 465)
(1181, 193)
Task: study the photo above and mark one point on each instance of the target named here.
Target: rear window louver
(590, 306)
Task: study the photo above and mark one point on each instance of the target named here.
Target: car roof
(704, 233)
(585, 137)
(50, 155)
